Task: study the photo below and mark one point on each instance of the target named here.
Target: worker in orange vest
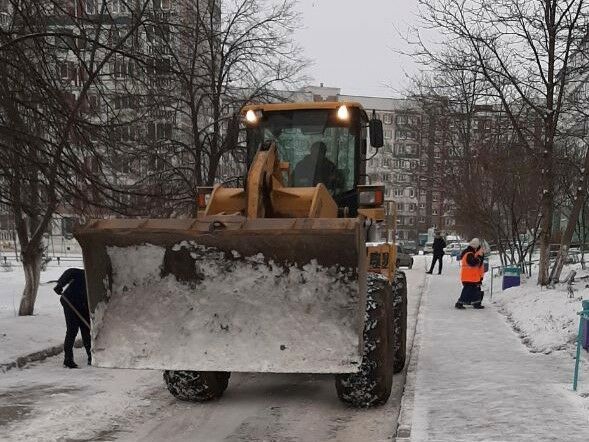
(472, 271)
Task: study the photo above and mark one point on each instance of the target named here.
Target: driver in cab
(315, 168)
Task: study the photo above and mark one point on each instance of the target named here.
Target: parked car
(404, 259)
(455, 248)
(428, 248)
(410, 247)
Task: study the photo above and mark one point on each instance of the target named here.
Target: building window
(400, 207)
(398, 192)
(91, 7)
(66, 70)
(422, 219)
(117, 6)
(410, 221)
(388, 119)
(412, 192)
(164, 5)
(93, 102)
(422, 205)
(414, 120)
(159, 131)
(388, 134)
(434, 211)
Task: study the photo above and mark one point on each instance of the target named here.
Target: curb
(405, 420)
(23, 361)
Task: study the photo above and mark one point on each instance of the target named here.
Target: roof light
(343, 113)
(251, 117)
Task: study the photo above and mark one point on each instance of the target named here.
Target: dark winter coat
(75, 292)
(438, 246)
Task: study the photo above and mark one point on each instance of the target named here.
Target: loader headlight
(343, 113)
(252, 117)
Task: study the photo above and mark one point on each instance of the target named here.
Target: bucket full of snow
(264, 295)
(511, 277)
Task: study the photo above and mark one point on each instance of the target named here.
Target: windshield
(319, 147)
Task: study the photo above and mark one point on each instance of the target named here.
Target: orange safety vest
(468, 273)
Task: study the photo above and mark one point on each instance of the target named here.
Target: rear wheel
(196, 386)
(372, 384)
(399, 321)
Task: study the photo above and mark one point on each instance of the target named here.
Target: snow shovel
(78, 314)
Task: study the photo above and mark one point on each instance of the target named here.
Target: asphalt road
(47, 402)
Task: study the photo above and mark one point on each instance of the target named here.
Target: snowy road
(47, 402)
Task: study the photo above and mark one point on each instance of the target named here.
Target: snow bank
(546, 319)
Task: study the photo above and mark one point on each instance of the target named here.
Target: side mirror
(376, 133)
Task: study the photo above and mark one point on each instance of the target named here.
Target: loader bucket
(264, 295)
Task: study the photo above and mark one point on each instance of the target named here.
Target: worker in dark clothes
(438, 251)
(471, 275)
(315, 168)
(75, 293)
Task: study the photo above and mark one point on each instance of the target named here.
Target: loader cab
(322, 143)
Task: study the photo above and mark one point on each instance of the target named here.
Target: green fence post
(583, 315)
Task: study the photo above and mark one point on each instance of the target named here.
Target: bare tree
(494, 194)
(48, 129)
(219, 55)
(522, 49)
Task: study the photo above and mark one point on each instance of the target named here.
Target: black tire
(399, 321)
(196, 386)
(372, 384)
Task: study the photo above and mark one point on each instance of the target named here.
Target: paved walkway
(477, 382)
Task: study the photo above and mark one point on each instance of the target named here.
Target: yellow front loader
(273, 277)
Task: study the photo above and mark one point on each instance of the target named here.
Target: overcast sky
(352, 44)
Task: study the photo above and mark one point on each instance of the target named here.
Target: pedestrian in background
(471, 275)
(78, 319)
(438, 251)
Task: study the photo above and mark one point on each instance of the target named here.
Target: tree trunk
(565, 241)
(545, 235)
(32, 267)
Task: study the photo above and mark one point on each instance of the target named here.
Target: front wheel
(372, 384)
(196, 386)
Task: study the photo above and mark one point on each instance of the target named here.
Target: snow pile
(546, 319)
(133, 266)
(234, 314)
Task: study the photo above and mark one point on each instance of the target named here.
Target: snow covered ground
(546, 319)
(21, 336)
(476, 380)
(45, 402)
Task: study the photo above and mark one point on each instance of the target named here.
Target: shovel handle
(78, 314)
